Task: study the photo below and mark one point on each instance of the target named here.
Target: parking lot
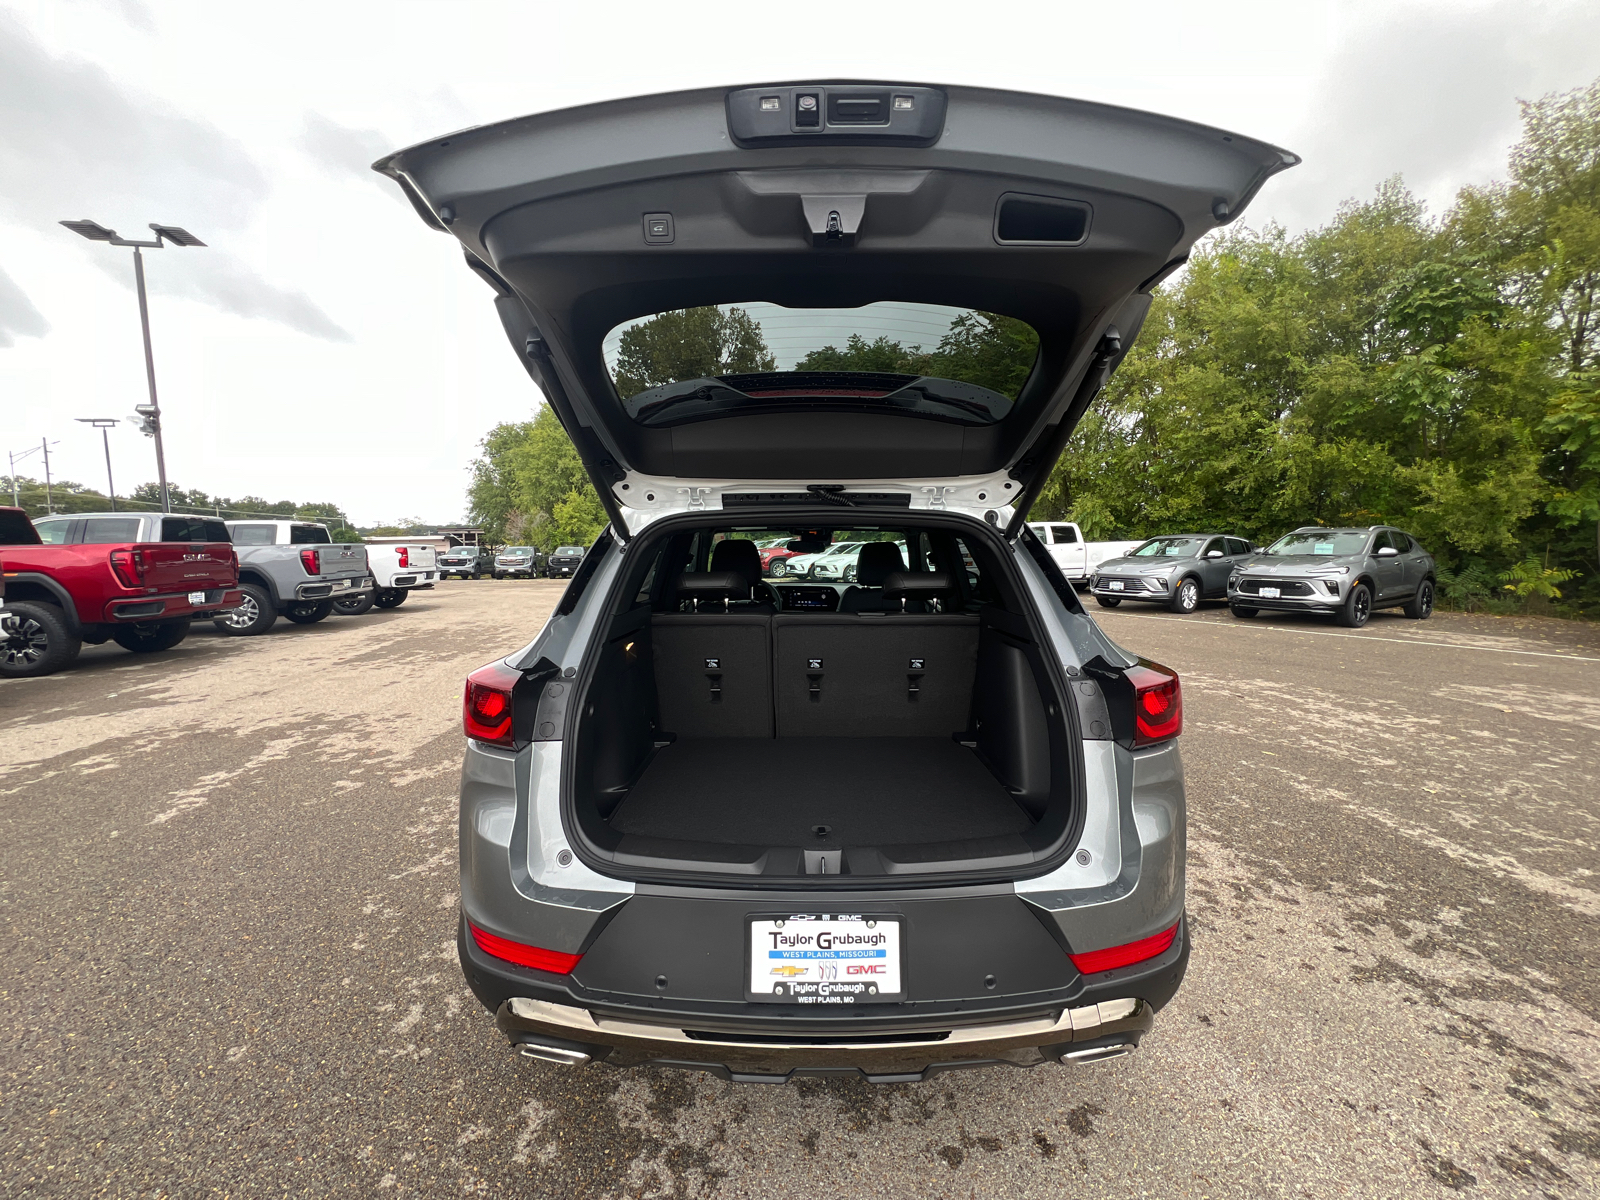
(229, 893)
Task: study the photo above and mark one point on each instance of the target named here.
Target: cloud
(18, 316)
(340, 149)
(1429, 92)
(74, 144)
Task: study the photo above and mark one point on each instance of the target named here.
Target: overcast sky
(327, 346)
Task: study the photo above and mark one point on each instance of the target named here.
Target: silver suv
(1345, 572)
(822, 313)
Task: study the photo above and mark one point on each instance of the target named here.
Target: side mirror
(1213, 553)
(1387, 552)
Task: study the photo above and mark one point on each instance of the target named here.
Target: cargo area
(901, 725)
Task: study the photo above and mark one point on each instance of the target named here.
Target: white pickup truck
(397, 571)
(1076, 557)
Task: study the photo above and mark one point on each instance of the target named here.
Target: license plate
(1270, 593)
(819, 959)
(197, 597)
(1114, 584)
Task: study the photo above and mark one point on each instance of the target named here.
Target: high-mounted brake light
(1125, 955)
(311, 561)
(128, 566)
(556, 961)
(405, 556)
(1157, 703)
(486, 706)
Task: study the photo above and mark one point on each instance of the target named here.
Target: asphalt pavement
(229, 900)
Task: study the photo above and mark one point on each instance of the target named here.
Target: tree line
(65, 496)
(1440, 373)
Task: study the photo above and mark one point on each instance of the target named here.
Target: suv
(1179, 570)
(992, 871)
(1346, 572)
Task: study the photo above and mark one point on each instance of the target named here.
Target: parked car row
(1344, 572)
(510, 562)
(142, 579)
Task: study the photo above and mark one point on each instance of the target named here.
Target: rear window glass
(191, 529)
(98, 531)
(16, 529)
(254, 535)
(925, 360)
(51, 533)
(308, 535)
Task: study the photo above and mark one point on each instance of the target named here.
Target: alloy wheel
(28, 645)
(245, 615)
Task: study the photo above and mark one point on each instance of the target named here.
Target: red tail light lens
(311, 561)
(1157, 703)
(524, 956)
(1125, 955)
(405, 556)
(486, 707)
(128, 566)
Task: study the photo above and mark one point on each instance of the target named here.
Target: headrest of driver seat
(737, 554)
(713, 585)
(914, 585)
(876, 561)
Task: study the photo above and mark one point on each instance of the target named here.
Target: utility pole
(103, 424)
(49, 500)
(150, 414)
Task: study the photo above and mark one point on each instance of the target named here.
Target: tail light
(1122, 956)
(556, 961)
(311, 560)
(486, 707)
(128, 566)
(405, 556)
(1157, 703)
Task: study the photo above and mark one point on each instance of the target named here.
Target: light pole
(151, 413)
(103, 424)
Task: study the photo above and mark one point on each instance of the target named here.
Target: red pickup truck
(142, 595)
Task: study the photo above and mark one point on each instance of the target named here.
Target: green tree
(690, 343)
(529, 486)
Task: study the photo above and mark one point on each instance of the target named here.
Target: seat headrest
(876, 561)
(914, 585)
(737, 554)
(713, 585)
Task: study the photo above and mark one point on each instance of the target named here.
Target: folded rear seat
(713, 666)
(871, 674)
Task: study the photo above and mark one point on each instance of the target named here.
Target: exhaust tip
(1095, 1054)
(559, 1055)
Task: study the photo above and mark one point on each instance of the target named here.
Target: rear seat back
(713, 674)
(890, 675)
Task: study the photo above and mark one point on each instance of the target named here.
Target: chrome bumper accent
(1023, 1043)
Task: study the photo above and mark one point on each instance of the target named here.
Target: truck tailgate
(340, 560)
(185, 566)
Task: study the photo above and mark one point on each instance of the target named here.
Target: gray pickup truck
(294, 568)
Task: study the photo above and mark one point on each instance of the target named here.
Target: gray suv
(990, 870)
(1346, 572)
(1179, 571)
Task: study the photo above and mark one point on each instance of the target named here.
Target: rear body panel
(179, 580)
(278, 567)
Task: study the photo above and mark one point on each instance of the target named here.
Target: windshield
(517, 550)
(1331, 543)
(925, 360)
(1168, 547)
(569, 549)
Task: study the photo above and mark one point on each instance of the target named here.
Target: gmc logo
(866, 969)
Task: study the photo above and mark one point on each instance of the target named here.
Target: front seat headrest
(876, 561)
(915, 585)
(712, 585)
(738, 554)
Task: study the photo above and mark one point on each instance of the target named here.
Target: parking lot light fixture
(178, 236)
(103, 424)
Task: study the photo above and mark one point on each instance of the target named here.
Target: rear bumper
(417, 579)
(174, 607)
(334, 589)
(1100, 1017)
